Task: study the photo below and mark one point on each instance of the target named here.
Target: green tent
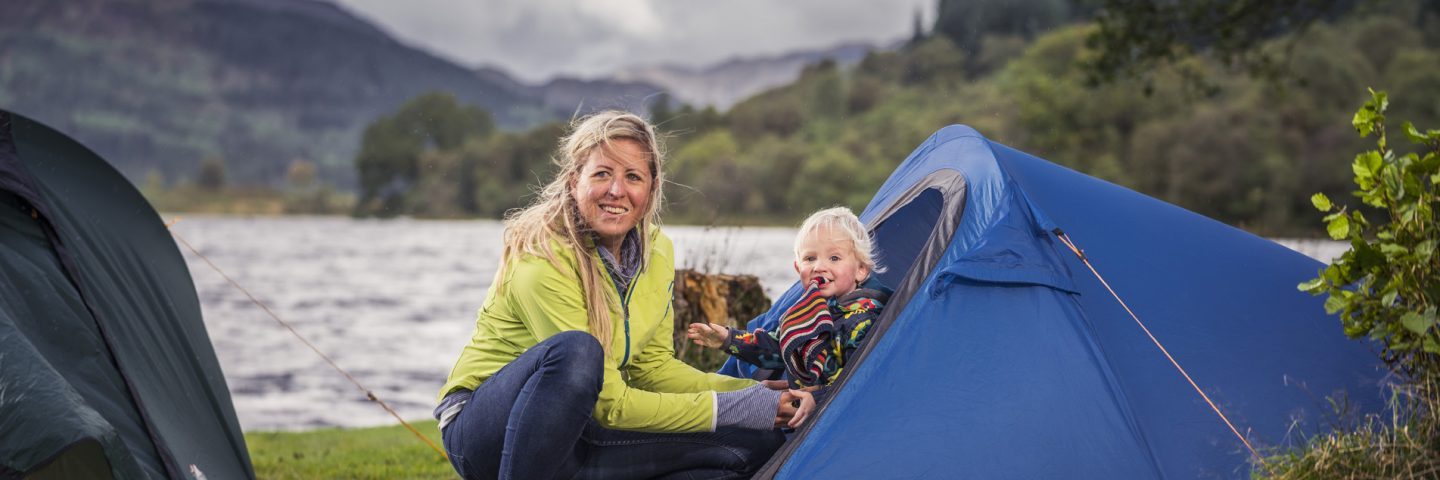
(106, 369)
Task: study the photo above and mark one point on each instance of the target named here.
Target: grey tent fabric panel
(55, 403)
(85, 459)
(136, 286)
(951, 186)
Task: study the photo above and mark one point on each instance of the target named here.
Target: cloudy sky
(539, 39)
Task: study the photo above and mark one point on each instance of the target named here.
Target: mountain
(159, 85)
(728, 82)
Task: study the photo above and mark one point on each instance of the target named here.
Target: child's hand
(707, 335)
(795, 407)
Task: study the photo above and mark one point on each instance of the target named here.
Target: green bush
(1386, 287)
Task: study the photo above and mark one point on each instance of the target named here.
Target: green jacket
(646, 388)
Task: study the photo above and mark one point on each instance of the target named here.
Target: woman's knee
(578, 357)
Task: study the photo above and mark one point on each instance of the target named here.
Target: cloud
(539, 39)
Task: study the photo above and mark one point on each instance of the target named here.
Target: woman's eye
(634, 177)
(602, 174)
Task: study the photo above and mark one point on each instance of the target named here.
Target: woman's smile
(613, 190)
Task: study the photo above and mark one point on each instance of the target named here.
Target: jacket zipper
(625, 308)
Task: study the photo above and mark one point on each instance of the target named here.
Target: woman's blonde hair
(842, 221)
(555, 215)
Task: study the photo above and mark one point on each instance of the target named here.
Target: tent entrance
(910, 234)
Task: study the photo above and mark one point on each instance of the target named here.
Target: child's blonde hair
(841, 220)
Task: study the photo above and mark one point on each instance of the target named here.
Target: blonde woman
(571, 370)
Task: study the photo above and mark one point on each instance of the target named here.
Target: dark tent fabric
(1002, 356)
(106, 369)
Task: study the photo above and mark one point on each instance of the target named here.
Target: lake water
(392, 302)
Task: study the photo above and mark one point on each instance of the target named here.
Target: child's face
(831, 255)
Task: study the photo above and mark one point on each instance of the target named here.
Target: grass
(1404, 444)
(248, 201)
(237, 201)
(379, 452)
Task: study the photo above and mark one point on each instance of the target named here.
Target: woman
(571, 369)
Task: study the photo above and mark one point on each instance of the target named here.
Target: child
(824, 328)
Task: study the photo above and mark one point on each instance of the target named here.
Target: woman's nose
(615, 188)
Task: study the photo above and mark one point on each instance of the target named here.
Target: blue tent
(1002, 356)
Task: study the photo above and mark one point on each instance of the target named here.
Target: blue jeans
(532, 420)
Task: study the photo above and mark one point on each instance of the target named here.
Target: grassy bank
(380, 452)
(249, 201)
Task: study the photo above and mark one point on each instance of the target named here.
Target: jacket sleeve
(550, 301)
(656, 369)
(759, 348)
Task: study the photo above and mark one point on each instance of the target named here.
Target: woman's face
(613, 190)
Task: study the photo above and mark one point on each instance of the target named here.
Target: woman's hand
(707, 334)
(795, 407)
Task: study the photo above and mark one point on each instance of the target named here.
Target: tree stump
(729, 300)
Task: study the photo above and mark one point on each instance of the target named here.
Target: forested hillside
(1247, 150)
(158, 85)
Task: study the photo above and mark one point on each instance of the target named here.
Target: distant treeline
(1244, 150)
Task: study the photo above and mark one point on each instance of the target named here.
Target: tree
(212, 173)
(933, 61)
(1136, 36)
(918, 28)
(389, 160)
(967, 22)
(300, 174)
(660, 109)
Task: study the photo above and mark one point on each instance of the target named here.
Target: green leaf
(1364, 121)
(1428, 163)
(1393, 249)
(1315, 285)
(1362, 163)
(1430, 346)
(1370, 114)
(1415, 322)
(1322, 202)
(1425, 249)
(1365, 257)
(1359, 218)
(1410, 132)
(1339, 227)
(1392, 183)
(1335, 304)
